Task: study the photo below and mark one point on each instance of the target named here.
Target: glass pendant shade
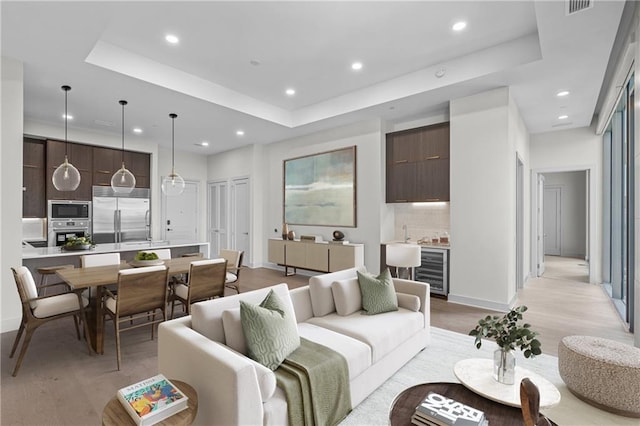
(123, 181)
(66, 177)
(173, 184)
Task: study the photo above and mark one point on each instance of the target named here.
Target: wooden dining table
(80, 279)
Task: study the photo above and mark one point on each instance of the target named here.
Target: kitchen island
(34, 258)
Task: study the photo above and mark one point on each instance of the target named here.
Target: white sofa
(235, 390)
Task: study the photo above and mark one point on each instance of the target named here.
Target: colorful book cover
(446, 411)
(155, 398)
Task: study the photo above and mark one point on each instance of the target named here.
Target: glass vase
(504, 366)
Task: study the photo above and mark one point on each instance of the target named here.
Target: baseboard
(10, 324)
(479, 303)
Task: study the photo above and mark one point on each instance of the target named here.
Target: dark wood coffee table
(406, 402)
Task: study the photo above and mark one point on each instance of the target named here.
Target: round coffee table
(477, 375)
(406, 402)
(114, 414)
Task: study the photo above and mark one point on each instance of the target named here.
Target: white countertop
(36, 253)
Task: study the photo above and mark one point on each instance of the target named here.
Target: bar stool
(45, 271)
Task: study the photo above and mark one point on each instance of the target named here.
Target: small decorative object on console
(285, 231)
(440, 410)
(152, 400)
(311, 238)
(291, 235)
(508, 334)
(338, 235)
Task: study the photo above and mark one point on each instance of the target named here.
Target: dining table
(96, 277)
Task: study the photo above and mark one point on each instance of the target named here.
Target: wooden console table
(319, 256)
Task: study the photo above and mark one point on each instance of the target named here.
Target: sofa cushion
(271, 333)
(383, 332)
(347, 296)
(378, 293)
(357, 353)
(320, 290)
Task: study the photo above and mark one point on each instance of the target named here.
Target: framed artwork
(320, 189)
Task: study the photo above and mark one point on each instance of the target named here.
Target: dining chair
(40, 310)
(234, 264)
(206, 281)
(100, 259)
(140, 293)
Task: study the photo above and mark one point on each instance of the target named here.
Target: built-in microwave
(60, 209)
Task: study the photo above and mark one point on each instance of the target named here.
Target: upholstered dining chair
(140, 293)
(234, 263)
(99, 259)
(39, 310)
(206, 281)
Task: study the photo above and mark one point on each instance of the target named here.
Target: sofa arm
(419, 289)
(227, 384)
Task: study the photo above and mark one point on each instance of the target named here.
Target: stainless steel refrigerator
(119, 218)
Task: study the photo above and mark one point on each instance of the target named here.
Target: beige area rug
(435, 364)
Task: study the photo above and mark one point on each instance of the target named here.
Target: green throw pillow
(270, 333)
(378, 293)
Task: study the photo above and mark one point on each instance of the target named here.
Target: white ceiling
(107, 51)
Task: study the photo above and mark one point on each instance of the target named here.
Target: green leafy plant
(78, 241)
(508, 333)
(145, 255)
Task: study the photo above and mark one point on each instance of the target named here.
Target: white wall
(11, 198)
(573, 215)
(370, 189)
(486, 133)
(570, 150)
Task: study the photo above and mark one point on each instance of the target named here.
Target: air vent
(575, 6)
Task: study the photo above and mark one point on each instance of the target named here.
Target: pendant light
(123, 181)
(173, 184)
(66, 177)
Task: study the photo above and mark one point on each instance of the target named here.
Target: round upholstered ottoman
(602, 372)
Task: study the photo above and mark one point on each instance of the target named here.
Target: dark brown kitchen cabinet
(34, 200)
(105, 163)
(81, 157)
(417, 164)
(139, 164)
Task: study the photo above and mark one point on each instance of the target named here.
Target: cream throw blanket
(315, 380)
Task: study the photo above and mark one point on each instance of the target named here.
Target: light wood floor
(60, 384)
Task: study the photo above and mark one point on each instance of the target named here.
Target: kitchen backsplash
(422, 220)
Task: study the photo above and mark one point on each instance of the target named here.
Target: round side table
(114, 414)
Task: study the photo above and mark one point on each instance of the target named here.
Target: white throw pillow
(233, 334)
(408, 301)
(347, 296)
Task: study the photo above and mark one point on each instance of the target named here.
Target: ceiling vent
(575, 6)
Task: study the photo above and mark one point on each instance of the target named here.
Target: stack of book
(438, 410)
(152, 400)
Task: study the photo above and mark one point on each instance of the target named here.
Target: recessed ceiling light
(240, 132)
(562, 93)
(67, 116)
(459, 26)
(172, 39)
(290, 92)
(356, 66)
(204, 143)
(563, 117)
(137, 130)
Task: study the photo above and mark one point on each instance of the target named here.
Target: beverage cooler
(434, 269)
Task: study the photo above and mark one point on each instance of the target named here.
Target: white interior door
(180, 214)
(241, 224)
(552, 220)
(218, 215)
(540, 225)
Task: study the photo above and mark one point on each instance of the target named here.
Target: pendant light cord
(123, 103)
(173, 149)
(66, 117)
